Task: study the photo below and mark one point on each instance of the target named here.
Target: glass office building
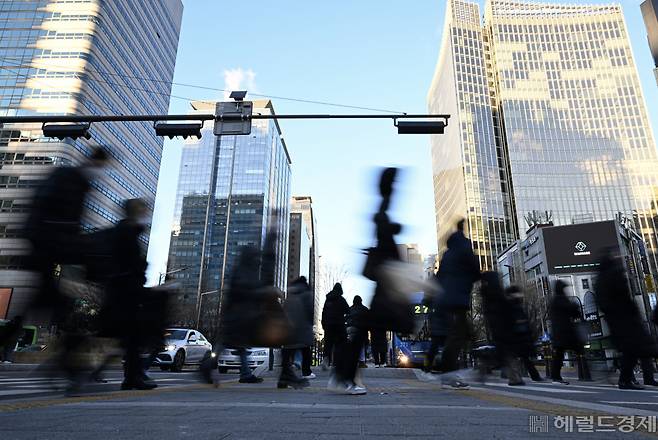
(249, 173)
(80, 57)
(569, 129)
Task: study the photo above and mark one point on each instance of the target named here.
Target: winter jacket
(299, 310)
(562, 312)
(458, 271)
(335, 310)
(358, 316)
(614, 299)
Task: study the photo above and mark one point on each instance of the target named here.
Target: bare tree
(534, 218)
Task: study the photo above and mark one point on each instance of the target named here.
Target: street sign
(233, 118)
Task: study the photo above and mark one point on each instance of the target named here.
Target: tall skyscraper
(299, 248)
(550, 118)
(650, 15)
(304, 205)
(251, 174)
(83, 57)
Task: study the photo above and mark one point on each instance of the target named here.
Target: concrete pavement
(397, 405)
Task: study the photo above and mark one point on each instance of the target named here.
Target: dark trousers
(558, 360)
(647, 369)
(457, 338)
(380, 357)
(288, 358)
(347, 356)
(435, 345)
(530, 366)
(133, 367)
(628, 362)
(332, 339)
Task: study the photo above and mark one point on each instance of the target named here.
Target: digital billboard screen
(576, 248)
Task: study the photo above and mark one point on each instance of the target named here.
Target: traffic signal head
(421, 127)
(67, 130)
(184, 130)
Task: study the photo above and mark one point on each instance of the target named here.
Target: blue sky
(371, 53)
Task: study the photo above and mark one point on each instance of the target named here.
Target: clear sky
(372, 53)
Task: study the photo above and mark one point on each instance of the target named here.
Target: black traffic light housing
(67, 130)
(171, 130)
(421, 127)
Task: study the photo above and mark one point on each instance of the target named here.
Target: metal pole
(201, 117)
(228, 222)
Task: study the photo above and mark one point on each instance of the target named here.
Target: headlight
(260, 353)
(170, 347)
(403, 359)
(213, 354)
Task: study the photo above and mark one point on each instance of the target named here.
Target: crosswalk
(27, 386)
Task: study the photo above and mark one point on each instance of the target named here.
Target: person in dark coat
(458, 271)
(125, 291)
(439, 320)
(54, 230)
(564, 335)
(334, 314)
(238, 304)
(299, 309)
(627, 331)
(357, 331)
(522, 342)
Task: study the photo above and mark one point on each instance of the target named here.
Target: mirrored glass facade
(569, 120)
(80, 57)
(253, 171)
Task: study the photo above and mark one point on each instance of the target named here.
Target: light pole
(163, 275)
(201, 295)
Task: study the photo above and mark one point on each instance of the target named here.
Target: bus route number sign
(420, 309)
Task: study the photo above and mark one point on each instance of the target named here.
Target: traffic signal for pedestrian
(68, 130)
(184, 130)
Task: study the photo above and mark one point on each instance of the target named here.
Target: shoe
(651, 383)
(537, 379)
(561, 381)
(310, 376)
(251, 379)
(456, 384)
(356, 390)
(516, 384)
(377, 366)
(296, 383)
(140, 385)
(629, 386)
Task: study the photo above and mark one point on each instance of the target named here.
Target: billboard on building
(5, 298)
(577, 248)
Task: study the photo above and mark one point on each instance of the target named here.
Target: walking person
(379, 347)
(299, 309)
(334, 314)
(627, 331)
(458, 271)
(344, 378)
(522, 337)
(439, 325)
(54, 230)
(563, 314)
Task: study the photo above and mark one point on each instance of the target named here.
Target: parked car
(229, 359)
(183, 346)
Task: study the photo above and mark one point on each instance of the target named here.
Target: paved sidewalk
(396, 406)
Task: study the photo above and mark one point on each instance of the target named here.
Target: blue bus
(409, 350)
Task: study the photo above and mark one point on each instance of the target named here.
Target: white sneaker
(356, 390)
(310, 376)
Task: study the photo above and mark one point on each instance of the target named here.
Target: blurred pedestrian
(379, 347)
(334, 314)
(10, 334)
(125, 302)
(54, 230)
(624, 320)
(299, 308)
(439, 325)
(344, 378)
(522, 343)
(564, 315)
(242, 310)
(458, 271)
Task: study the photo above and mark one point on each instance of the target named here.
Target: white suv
(230, 359)
(183, 346)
